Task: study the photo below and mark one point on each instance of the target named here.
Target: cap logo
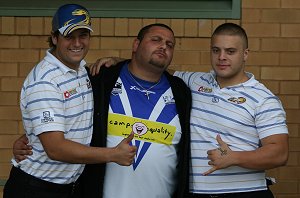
(71, 17)
(79, 12)
(85, 22)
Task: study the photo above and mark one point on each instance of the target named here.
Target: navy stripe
(74, 115)
(225, 117)
(49, 71)
(268, 111)
(38, 83)
(225, 134)
(44, 99)
(226, 174)
(220, 98)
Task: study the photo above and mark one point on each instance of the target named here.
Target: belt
(225, 195)
(42, 184)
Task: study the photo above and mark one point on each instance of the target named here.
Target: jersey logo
(139, 128)
(117, 89)
(238, 100)
(215, 99)
(205, 89)
(69, 93)
(47, 117)
(133, 87)
(146, 132)
(88, 83)
(169, 100)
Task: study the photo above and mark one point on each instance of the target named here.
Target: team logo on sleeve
(238, 100)
(47, 118)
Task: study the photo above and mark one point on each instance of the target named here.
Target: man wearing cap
(57, 111)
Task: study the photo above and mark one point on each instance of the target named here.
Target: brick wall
(273, 27)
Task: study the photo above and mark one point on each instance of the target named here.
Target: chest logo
(205, 89)
(146, 133)
(117, 89)
(139, 128)
(69, 93)
(239, 100)
(88, 84)
(169, 100)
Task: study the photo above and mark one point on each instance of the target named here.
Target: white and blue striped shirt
(242, 114)
(56, 98)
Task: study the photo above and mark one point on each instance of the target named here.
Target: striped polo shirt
(55, 98)
(242, 114)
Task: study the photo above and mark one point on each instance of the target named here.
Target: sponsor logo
(69, 93)
(139, 128)
(169, 100)
(117, 89)
(238, 100)
(47, 117)
(146, 133)
(205, 89)
(215, 99)
(88, 83)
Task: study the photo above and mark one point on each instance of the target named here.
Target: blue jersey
(157, 132)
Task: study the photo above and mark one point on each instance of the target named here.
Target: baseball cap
(70, 17)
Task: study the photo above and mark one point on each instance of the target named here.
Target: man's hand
(21, 149)
(106, 61)
(125, 152)
(220, 158)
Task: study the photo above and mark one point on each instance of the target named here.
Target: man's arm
(106, 61)
(21, 149)
(60, 149)
(273, 153)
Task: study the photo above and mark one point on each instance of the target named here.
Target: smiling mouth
(76, 50)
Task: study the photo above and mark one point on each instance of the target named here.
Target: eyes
(160, 40)
(81, 35)
(229, 51)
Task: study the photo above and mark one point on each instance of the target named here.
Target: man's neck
(143, 74)
(226, 82)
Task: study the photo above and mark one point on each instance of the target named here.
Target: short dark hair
(145, 29)
(231, 29)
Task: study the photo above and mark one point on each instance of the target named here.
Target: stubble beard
(158, 64)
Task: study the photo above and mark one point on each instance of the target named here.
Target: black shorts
(21, 184)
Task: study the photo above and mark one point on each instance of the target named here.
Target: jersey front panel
(242, 115)
(157, 132)
(55, 98)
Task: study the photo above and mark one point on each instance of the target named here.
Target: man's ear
(54, 38)
(246, 52)
(135, 44)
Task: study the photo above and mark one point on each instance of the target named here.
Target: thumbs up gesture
(220, 158)
(125, 152)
